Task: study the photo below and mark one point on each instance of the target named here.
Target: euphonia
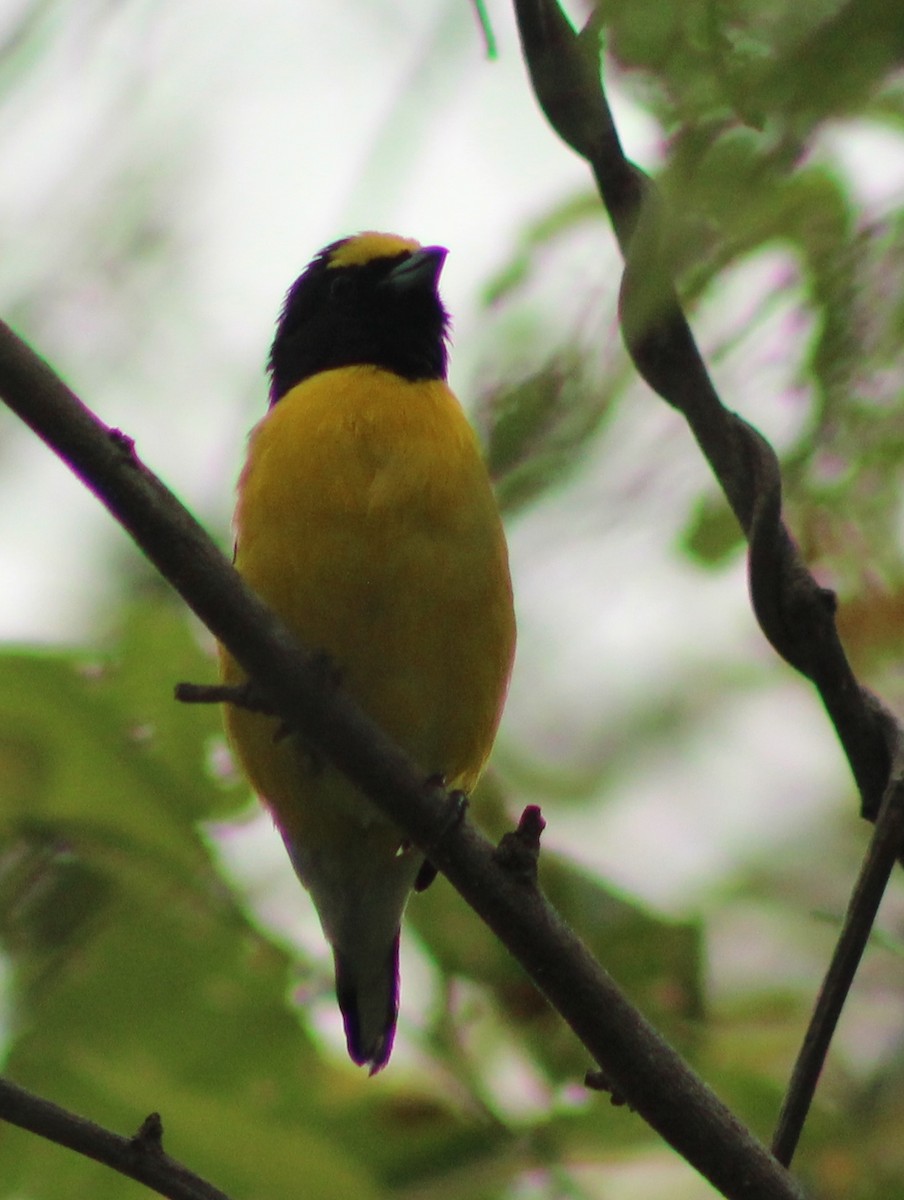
(366, 519)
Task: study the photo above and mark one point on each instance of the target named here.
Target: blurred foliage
(140, 978)
(536, 428)
(748, 95)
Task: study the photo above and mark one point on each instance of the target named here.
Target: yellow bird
(366, 520)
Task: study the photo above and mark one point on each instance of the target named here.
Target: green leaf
(713, 534)
(140, 981)
(535, 431)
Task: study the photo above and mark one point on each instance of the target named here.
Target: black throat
(353, 315)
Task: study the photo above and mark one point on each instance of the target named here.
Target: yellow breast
(367, 521)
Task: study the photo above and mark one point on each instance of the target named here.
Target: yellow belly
(367, 522)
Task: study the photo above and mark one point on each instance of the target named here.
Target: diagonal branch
(141, 1157)
(637, 1062)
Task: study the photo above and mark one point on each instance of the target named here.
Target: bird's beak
(420, 270)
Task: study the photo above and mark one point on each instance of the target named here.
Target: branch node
(518, 851)
(455, 805)
(454, 808)
(598, 1081)
(243, 695)
(149, 1138)
(124, 444)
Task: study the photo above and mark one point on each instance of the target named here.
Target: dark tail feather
(370, 1008)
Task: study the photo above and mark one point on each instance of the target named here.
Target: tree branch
(141, 1157)
(794, 612)
(884, 848)
(642, 1067)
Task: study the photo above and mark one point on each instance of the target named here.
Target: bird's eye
(341, 287)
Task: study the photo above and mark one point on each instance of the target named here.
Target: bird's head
(371, 298)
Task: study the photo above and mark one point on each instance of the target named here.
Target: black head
(370, 299)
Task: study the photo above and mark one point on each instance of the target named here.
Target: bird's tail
(369, 1001)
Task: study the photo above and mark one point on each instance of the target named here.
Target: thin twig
(858, 923)
(643, 1068)
(140, 1157)
(242, 695)
(486, 28)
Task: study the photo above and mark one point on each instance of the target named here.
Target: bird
(366, 519)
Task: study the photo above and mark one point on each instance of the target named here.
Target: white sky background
(262, 129)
